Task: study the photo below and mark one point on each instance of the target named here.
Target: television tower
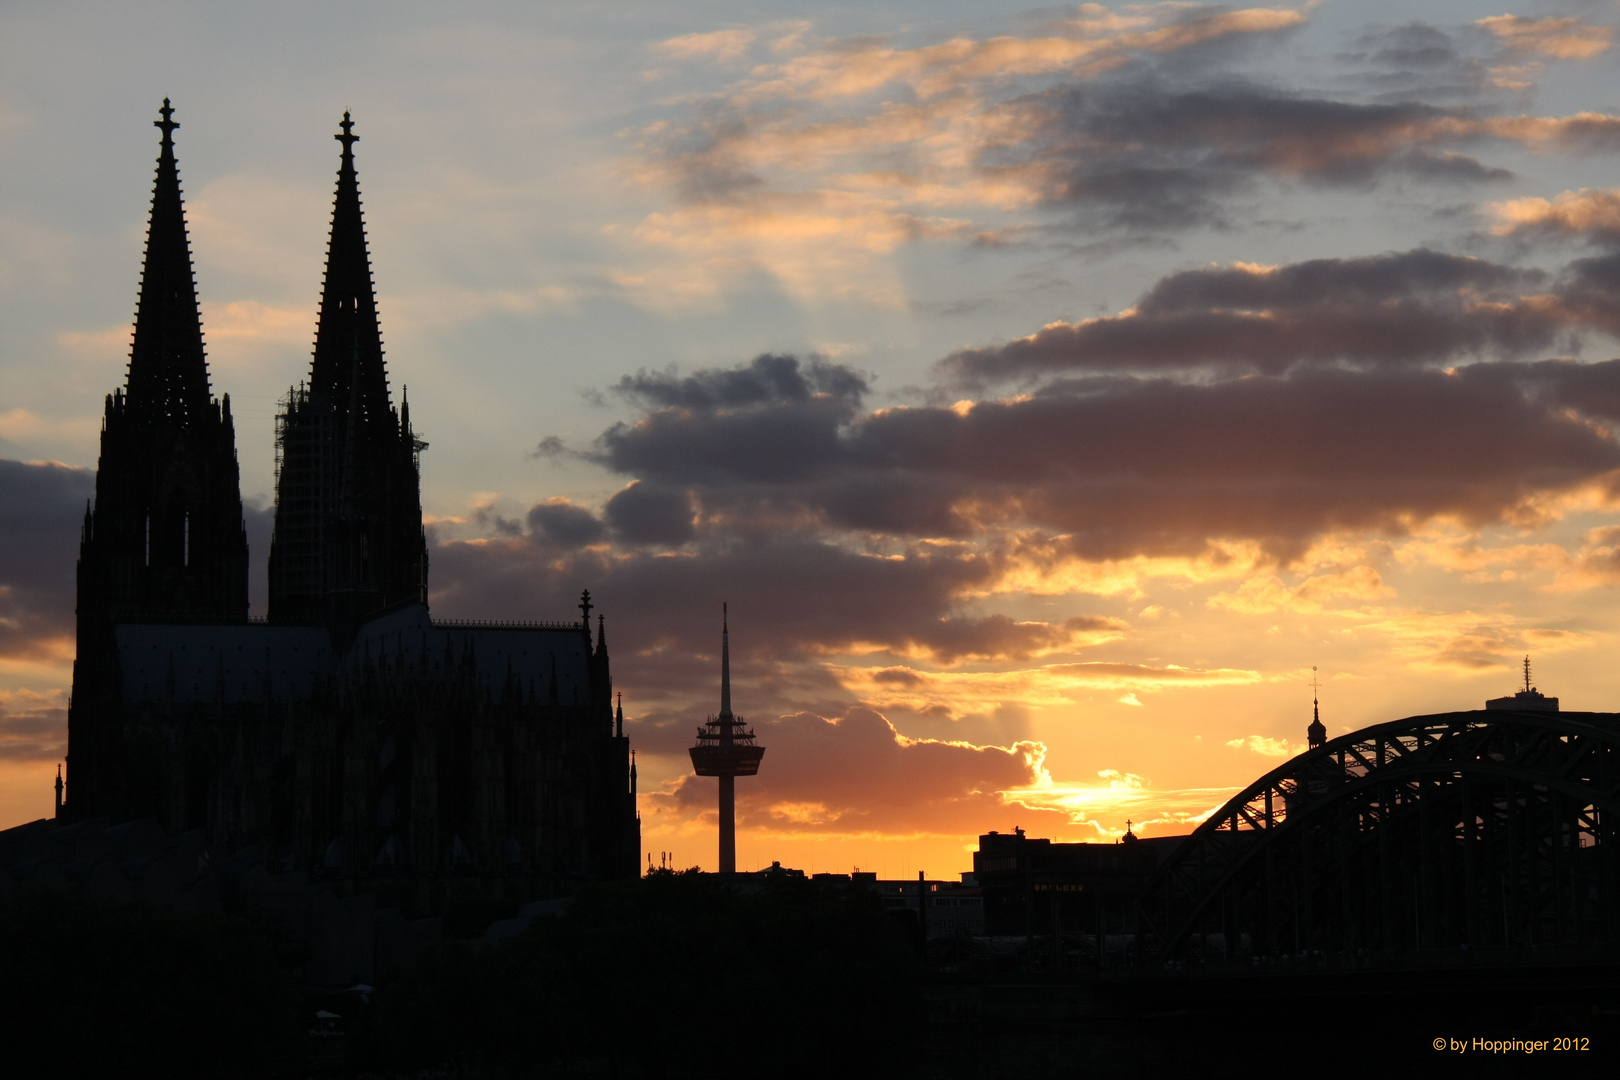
(725, 748)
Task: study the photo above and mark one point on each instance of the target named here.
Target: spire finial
(1527, 673)
(725, 661)
(166, 124)
(585, 610)
(348, 138)
(1315, 733)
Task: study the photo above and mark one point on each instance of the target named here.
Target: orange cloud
(957, 693)
(33, 725)
(1263, 745)
(1555, 37)
(717, 45)
(855, 775)
(1265, 594)
(1587, 212)
(1093, 44)
(1104, 808)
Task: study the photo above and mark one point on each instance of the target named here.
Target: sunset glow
(1048, 393)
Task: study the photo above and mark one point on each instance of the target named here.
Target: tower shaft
(728, 824)
(726, 749)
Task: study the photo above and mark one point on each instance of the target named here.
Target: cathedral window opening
(185, 538)
(146, 557)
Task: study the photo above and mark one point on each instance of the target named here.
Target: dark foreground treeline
(672, 975)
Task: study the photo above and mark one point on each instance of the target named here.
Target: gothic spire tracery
(348, 537)
(348, 338)
(168, 371)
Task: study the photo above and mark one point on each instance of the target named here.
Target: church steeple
(165, 539)
(168, 374)
(348, 359)
(1316, 732)
(348, 538)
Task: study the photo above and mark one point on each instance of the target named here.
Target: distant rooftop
(1527, 700)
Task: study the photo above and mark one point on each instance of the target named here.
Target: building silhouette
(1490, 831)
(726, 749)
(351, 737)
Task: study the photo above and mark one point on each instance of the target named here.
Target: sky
(1052, 394)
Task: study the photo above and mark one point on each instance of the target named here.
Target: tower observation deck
(726, 749)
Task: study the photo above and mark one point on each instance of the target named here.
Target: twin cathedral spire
(348, 534)
(165, 539)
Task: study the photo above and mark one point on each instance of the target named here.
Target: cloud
(957, 693)
(1461, 642)
(1263, 745)
(1267, 593)
(33, 726)
(1149, 155)
(1124, 797)
(249, 320)
(1121, 467)
(651, 513)
(720, 46)
(1590, 213)
(564, 523)
(997, 637)
(853, 773)
(1555, 37)
(42, 508)
(1411, 307)
(813, 170)
(1088, 45)
(1419, 62)
(764, 380)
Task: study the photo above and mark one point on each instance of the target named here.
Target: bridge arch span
(1488, 829)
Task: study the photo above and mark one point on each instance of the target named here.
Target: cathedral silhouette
(349, 735)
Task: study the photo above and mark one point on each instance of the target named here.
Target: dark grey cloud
(767, 379)
(786, 413)
(1412, 307)
(794, 598)
(1590, 287)
(1130, 465)
(42, 508)
(1423, 62)
(565, 524)
(1150, 156)
(651, 513)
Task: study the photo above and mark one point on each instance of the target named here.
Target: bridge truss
(1485, 829)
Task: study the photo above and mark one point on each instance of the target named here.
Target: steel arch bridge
(1486, 829)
